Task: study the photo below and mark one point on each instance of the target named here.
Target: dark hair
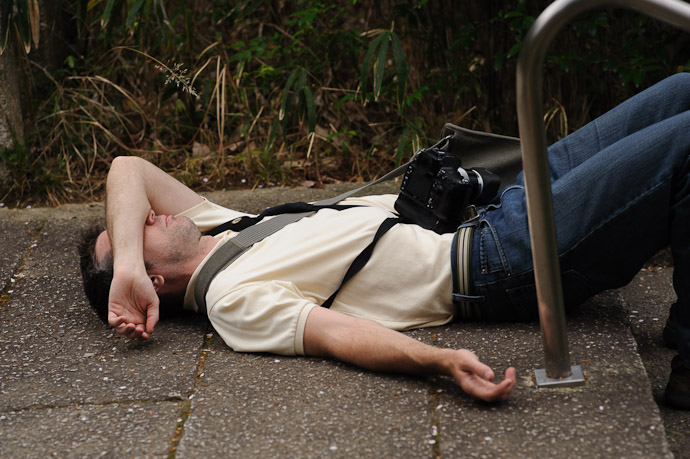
(96, 276)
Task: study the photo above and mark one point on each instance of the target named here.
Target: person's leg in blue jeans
(621, 189)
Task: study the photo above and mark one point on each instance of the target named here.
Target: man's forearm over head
(126, 208)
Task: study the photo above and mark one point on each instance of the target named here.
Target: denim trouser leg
(621, 192)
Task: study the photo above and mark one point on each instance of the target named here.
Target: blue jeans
(621, 192)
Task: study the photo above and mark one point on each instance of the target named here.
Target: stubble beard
(184, 239)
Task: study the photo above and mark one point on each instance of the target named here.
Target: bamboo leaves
(132, 9)
(297, 98)
(26, 19)
(107, 11)
(375, 64)
(132, 15)
(5, 23)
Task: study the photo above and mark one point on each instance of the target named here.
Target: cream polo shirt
(260, 302)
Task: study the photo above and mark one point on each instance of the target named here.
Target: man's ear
(158, 281)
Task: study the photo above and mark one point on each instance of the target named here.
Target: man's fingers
(471, 364)
(133, 300)
(500, 391)
(477, 380)
(152, 315)
(128, 329)
(140, 332)
(132, 331)
(123, 328)
(492, 393)
(136, 331)
(505, 387)
(510, 374)
(115, 320)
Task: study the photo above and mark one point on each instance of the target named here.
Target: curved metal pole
(535, 161)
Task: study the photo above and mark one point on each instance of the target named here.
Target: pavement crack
(186, 410)
(434, 416)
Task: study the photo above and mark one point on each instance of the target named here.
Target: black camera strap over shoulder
(363, 257)
(242, 223)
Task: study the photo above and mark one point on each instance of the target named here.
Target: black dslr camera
(436, 190)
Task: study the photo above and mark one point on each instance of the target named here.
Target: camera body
(436, 190)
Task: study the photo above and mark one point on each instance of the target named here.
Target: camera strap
(363, 257)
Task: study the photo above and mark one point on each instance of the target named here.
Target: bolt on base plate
(577, 378)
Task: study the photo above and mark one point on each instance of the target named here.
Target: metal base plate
(575, 379)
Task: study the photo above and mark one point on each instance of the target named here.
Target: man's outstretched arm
(369, 345)
(134, 188)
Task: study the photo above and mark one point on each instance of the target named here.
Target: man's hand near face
(133, 305)
(137, 190)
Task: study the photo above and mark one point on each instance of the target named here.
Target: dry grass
(279, 93)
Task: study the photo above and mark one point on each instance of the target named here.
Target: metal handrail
(536, 167)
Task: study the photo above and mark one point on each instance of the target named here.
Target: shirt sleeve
(262, 317)
(207, 215)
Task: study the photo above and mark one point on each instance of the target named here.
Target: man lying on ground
(621, 192)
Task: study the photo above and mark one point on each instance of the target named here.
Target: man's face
(168, 242)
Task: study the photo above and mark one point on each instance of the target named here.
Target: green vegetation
(254, 92)
(25, 16)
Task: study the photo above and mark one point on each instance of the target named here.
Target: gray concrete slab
(16, 238)
(55, 351)
(612, 415)
(136, 429)
(54, 252)
(268, 406)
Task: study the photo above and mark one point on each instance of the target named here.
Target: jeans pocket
(492, 257)
(577, 288)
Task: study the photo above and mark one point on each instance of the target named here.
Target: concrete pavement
(69, 387)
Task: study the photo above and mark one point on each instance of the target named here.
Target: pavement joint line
(15, 279)
(186, 409)
(434, 418)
